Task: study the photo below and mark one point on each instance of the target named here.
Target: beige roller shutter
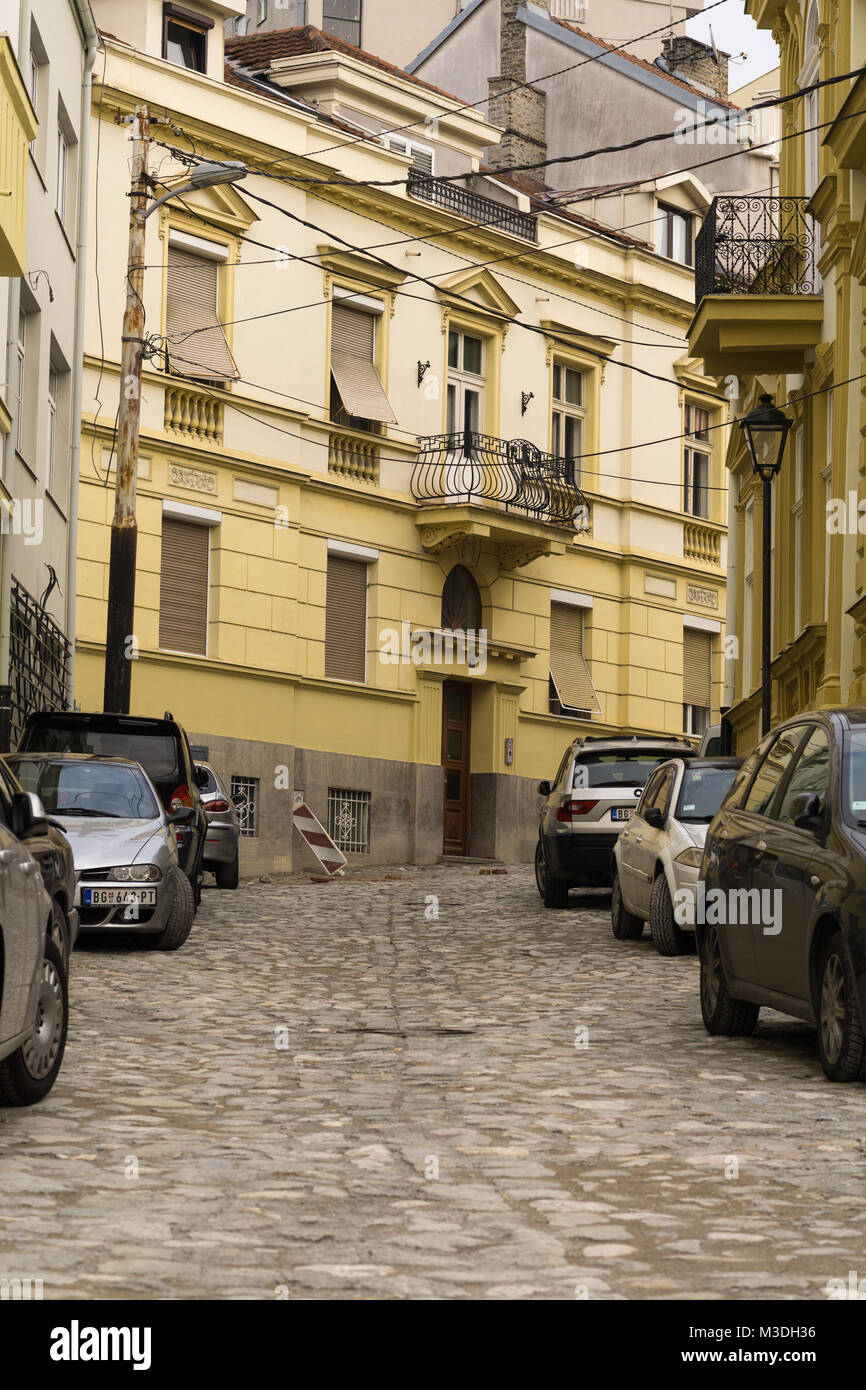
(183, 589)
(697, 668)
(197, 345)
(567, 662)
(358, 382)
(346, 620)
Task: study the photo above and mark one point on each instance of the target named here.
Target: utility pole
(124, 530)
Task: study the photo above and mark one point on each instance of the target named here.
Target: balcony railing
(756, 246)
(474, 206)
(702, 543)
(467, 467)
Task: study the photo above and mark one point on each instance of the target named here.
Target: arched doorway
(461, 612)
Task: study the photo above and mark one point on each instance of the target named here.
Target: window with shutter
(346, 620)
(197, 345)
(183, 589)
(572, 692)
(697, 680)
(353, 343)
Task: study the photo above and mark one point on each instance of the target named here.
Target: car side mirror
(201, 777)
(182, 816)
(544, 789)
(654, 816)
(29, 816)
(805, 811)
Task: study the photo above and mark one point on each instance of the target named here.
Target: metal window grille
(349, 820)
(245, 795)
(38, 660)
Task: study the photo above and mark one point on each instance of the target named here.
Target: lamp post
(119, 646)
(766, 430)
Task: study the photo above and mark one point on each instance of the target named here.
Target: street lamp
(766, 430)
(120, 646)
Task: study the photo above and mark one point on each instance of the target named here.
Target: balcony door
(456, 721)
(466, 382)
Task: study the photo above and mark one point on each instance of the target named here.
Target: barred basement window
(349, 820)
(245, 795)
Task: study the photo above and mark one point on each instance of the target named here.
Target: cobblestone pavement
(426, 1127)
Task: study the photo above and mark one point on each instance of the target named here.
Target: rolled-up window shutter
(358, 382)
(697, 668)
(197, 345)
(183, 589)
(567, 662)
(346, 620)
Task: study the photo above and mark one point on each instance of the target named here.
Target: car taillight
(218, 805)
(570, 809)
(180, 797)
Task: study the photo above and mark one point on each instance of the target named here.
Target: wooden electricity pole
(119, 644)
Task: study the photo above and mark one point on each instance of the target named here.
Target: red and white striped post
(311, 830)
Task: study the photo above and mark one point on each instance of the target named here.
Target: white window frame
(21, 382)
(462, 382)
(410, 148)
(666, 240)
(53, 382)
(693, 448)
(562, 411)
(262, 11)
(61, 202)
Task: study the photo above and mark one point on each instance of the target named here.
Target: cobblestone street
(427, 1127)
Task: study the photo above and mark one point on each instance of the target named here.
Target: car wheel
(181, 917)
(625, 926)
(28, 1074)
(58, 932)
(554, 891)
(841, 1040)
(228, 875)
(669, 939)
(723, 1015)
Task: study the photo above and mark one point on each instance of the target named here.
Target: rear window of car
(158, 753)
(702, 792)
(211, 783)
(616, 769)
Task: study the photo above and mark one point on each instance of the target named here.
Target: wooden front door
(456, 716)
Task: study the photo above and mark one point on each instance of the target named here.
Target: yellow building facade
(376, 412)
(790, 321)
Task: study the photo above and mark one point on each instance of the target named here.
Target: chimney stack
(695, 62)
(521, 111)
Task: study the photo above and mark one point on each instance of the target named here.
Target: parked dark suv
(594, 794)
(160, 745)
(784, 877)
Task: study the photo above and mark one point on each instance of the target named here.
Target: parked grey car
(594, 794)
(658, 854)
(34, 1003)
(221, 853)
(128, 877)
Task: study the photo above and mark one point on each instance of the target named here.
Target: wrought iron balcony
(756, 245)
(468, 467)
(474, 206)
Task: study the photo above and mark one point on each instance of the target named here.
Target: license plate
(621, 813)
(119, 897)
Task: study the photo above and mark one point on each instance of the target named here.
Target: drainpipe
(92, 43)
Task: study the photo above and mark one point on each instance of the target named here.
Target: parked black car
(160, 745)
(785, 867)
(53, 853)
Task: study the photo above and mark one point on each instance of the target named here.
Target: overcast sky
(735, 33)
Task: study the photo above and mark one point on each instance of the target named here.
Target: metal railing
(474, 206)
(469, 467)
(756, 245)
(38, 660)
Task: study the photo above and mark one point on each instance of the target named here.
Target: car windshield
(702, 792)
(854, 778)
(615, 769)
(87, 789)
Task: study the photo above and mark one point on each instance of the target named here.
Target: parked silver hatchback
(221, 850)
(657, 857)
(34, 1004)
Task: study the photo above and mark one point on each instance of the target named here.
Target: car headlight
(691, 857)
(135, 873)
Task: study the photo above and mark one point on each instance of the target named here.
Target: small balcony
(487, 212)
(18, 127)
(508, 491)
(757, 288)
